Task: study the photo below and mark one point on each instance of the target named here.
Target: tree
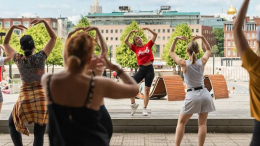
(124, 56)
(181, 46)
(41, 37)
(219, 36)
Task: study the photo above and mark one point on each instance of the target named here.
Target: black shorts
(256, 134)
(145, 72)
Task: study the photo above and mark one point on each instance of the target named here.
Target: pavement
(154, 139)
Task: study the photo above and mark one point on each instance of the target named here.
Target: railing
(230, 73)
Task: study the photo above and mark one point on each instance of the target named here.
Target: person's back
(194, 74)
(77, 124)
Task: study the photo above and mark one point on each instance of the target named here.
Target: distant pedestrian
(197, 99)
(217, 71)
(251, 62)
(31, 104)
(3, 60)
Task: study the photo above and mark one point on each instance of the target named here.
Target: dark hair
(193, 49)
(27, 45)
(78, 52)
(134, 39)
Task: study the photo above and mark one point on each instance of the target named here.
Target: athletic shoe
(134, 107)
(145, 112)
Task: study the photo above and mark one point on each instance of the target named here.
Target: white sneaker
(145, 112)
(134, 107)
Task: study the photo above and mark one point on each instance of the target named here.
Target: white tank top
(194, 74)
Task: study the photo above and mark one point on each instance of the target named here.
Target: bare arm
(239, 37)
(9, 50)
(102, 45)
(154, 34)
(174, 56)
(7, 58)
(127, 38)
(51, 43)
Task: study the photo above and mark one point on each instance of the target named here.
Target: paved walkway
(154, 139)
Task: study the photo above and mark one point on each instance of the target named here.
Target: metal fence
(230, 73)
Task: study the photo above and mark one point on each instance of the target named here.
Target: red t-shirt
(144, 54)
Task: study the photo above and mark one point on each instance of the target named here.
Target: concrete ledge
(168, 125)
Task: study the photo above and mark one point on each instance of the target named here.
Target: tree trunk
(52, 67)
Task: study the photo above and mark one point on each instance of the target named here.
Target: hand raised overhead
(196, 37)
(181, 38)
(76, 30)
(37, 21)
(21, 27)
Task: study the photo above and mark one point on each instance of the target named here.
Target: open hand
(196, 37)
(21, 27)
(96, 64)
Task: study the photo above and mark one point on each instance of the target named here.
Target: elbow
(155, 34)
(135, 90)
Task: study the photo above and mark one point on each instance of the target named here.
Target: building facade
(215, 22)
(95, 8)
(164, 21)
(249, 29)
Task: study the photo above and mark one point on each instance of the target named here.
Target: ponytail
(194, 57)
(74, 64)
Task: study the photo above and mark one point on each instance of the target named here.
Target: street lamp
(110, 55)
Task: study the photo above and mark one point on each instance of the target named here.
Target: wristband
(119, 72)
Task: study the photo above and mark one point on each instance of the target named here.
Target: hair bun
(73, 63)
(27, 53)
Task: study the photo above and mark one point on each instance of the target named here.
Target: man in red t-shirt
(144, 56)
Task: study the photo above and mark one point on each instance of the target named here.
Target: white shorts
(198, 101)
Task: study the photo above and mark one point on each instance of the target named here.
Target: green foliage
(124, 56)
(219, 36)
(181, 46)
(83, 22)
(41, 37)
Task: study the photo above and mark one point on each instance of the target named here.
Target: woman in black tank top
(74, 98)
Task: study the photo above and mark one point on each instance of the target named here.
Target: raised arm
(173, 55)
(9, 50)
(126, 90)
(51, 43)
(239, 37)
(102, 45)
(154, 34)
(127, 38)
(207, 54)
(8, 57)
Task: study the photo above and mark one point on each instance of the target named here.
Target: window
(157, 51)
(107, 38)
(154, 30)
(17, 22)
(197, 30)
(233, 43)
(106, 31)
(228, 43)
(54, 25)
(172, 30)
(111, 38)
(168, 38)
(102, 31)
(247, 35)
(192, 30)
(253, 35)
(163, 30)
(7, 24)
(121, 30)
(111, 31)
(228, 52)
(116, 38)
(253, 43)
(227, 35)
(17, 32)
(168, 30)
(249, 43)
(26, 23)
(116, 31)
(159, 30)
(159, 38)
(163, 38)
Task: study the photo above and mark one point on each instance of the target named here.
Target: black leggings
(145, 72)
(106, 121)
(256, 134)
(17, 137)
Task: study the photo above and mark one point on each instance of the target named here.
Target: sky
(73, 9)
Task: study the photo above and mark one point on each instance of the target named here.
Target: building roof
(164, 13)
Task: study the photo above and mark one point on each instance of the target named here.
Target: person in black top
(74, 98)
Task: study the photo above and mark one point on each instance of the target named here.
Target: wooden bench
(174, 87)
(218, 84)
